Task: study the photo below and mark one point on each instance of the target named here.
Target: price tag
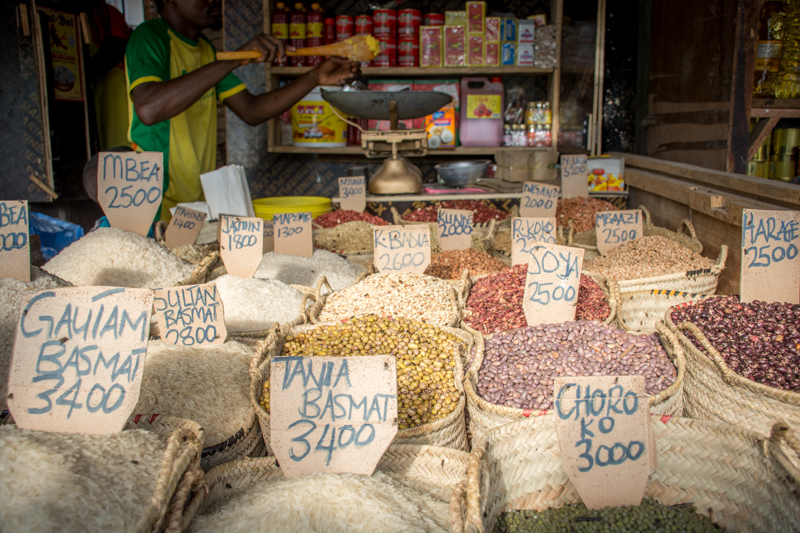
(526, 233)
(184, 227)
(617, 227)
(770, 269)
(240, 244)
(15, 254)
(129, 186)
(455, 228)
(79, 358)
(293, 234)
(603, 428)
(353, 193)
(538, 200)
(402, 248)
(574, 176)
(552, 283)
(332, 414)
(269, 237)
(191, 315)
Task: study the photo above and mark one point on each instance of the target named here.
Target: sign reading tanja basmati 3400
(79, 358)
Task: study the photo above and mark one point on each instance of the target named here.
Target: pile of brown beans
(481, 213)
(647, 257)
(452, 263)
(495, 302)
(582, 211)
(758, 340)
(519, 366)
(334, 218)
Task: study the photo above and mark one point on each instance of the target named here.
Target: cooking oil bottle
(768, 47)
(788, 86)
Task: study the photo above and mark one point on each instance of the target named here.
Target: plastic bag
(516, 101)
(55, 234)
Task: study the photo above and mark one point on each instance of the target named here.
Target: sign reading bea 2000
(770, 264)
(129, 186)
(402, 248)
(15, 253)
(79, 358)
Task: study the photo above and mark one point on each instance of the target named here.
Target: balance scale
(397, 175)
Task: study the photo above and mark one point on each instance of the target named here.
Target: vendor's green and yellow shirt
(157, 52)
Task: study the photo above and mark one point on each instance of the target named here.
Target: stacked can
(344, 27)
(408, 23)
(433, 19)
(364, 27)
(384, 27)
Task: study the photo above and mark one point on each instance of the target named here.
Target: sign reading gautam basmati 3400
(79, 358)
(129, 188)
(332, 414)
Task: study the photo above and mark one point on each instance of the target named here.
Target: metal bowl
(462, 173)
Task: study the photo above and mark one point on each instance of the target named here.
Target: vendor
(174, 80)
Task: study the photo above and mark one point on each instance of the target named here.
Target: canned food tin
(364, 25)
(785, 141)
(344, 27)
(388, 55)
(408, 22)
(408, 52)
(433, 19)
(384, 22)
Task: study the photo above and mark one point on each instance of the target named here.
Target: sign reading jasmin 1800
(402, 248)
(78, 358)
(770, 269)
(241, 244)
(552, 283)
(332, 414)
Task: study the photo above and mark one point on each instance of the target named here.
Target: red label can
(364, 25)
(433, 19)
(408, 52)
(408, 22)
(344, 27)
(388, 55)
(384, 22)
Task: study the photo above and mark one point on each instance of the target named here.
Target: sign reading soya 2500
(79, 358)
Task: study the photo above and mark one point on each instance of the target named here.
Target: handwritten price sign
(552, 283)
(190, 316)
(538, 201)
(603, 428)
(293, 234)
(332, 414)
(402, 248)
(15, 250)
(184, 227)
(353, 193)
(770, 263)
(455, 228)
(574, 176)
(129, 186)
(615, 228)
(79, 358)
(269, 237)
(526, 233)
(240, 244)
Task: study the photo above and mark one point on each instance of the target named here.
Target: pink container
(481, 121)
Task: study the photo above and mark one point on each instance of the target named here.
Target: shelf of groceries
(375, 72)
(458, 150)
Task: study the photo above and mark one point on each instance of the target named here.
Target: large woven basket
(201, 273)
(449, 431)
(640, 311)
(502, 250)
(715, 392)
(485, 416)
(739, 478)
(482, 234)
(430, 468)
(505, 223)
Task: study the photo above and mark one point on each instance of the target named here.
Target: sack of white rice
(11, 293)
(255, 305)
(306, 271)
(117, 258)
(410, 491)
(119, 482)
(207, 385)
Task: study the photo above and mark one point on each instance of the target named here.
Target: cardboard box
(538, 20)
(393, 85)
(492, 29)
(508, 30)
(476, 14)
(491, 55)
(475, 51)
(508, 53)
(455, 18)
(612, 178)
(520, 166)
(455, 46)
(442, 126)
(525, 31)
(430, 46)
(524, 55)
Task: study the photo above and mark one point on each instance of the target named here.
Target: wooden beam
(770, 112)
(742, 86)
(760, 132)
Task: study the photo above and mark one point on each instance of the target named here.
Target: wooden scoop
(358, 48)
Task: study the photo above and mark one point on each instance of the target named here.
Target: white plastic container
(314, 123)
(481, 112)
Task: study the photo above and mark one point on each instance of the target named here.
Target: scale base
(396, 176)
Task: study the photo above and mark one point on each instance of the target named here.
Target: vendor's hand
(336, 71)
(269, 46)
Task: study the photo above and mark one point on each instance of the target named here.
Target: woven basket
(715, 392)
(640, 311)
(430, 468)
(502, 252)
(322, 232)
(741, 479)
(449, 432)
(400, 221)
(485, 416)
(201, 273)
(482, 234)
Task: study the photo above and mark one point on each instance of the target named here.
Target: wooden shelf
(357, 150)
(418, 71)
(774, 103)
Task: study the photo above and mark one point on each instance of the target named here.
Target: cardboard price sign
(402, 248)
(552, 283)
(770, 269)
(617, 227)
(574, 176)
(269, 237)
(184, 227)
(353, 193)
(190, 316)
(240, 244)
(538, 200)
(526, 233)
(332, 414)
(455, 228)
(78, 358)
(129, 188)
(15, 252)
(604, 433)
(293, 234)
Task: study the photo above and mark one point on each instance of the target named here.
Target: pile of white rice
(11, 294)
(306, 271)
(252, 304)
(117, 258)
(209, 385)
(346, 503)
(65, 482)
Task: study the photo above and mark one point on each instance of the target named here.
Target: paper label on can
(484, 106)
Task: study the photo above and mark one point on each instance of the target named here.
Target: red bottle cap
(496, 79)
(330, 21)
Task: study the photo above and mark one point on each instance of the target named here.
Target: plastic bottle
(315, 33)
(768, 48)
(481, 121)
(330, 30)
(788, 85)
(297, 33)
(280, 30)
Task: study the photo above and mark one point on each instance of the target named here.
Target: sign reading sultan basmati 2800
(79, 358)
(332, 414)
